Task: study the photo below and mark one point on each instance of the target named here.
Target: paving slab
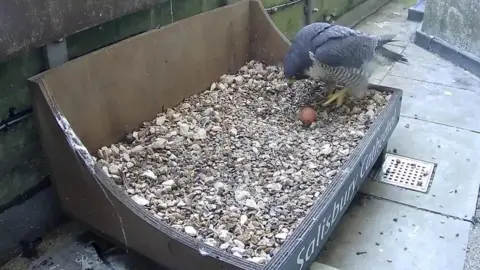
(437, 103)
(377, 235)
(391, 19)
(375, 81)
(427, 67)
(456, 180)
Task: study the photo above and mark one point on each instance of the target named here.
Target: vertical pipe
(56, 53)
(307, 10)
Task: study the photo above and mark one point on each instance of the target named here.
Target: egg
(308, 116)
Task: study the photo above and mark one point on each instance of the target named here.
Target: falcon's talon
(338, 96)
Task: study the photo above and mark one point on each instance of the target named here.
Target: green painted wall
(290, 19)
(21, 162)
(335, 7)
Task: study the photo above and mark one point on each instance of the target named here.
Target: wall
(290, 19)
(28, 207)
(454, 21)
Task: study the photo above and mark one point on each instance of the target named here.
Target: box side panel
(110, 92)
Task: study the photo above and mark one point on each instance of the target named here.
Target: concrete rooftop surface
(388, 227)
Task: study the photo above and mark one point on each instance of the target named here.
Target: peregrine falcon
(337, 55)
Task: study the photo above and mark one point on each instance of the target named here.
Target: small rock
(224, 235)
(251, 204)
(233, 131)
(160, 143)
(149, 174)
(140, 200)
(241, 194)
(239, 80)
(380, 100)
(184, 129)
(326, 150)
(243, 219)
(331, 173)
(115, 150)
(238, 250)
(201, 134)
(169, 183)
(114, 169)
(259, 260)
(219, 186)
(274, 186)
(126, 157)
(245, 238)
(160, 120)
(237, 254)
(281, 236)
(239, 243)
(370, 114)
(181, 204)
(190, 231)
(211, 242)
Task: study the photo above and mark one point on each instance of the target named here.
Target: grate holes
(405, 172)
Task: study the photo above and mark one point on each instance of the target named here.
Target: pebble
(114, 169)
(281, 236)
(169, 183)
(243, 219)
(326, 150)
(190, 230)
(149, 174)
(259, 260)
(236, 162)
(140, 200)
(251, 204)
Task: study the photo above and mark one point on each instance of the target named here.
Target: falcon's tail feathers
(386, 39)
(391, 56)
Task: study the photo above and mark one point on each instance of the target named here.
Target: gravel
(233, 166)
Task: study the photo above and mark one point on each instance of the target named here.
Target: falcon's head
(297, 59)
(295, 63)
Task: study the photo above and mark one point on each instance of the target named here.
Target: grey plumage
(337, 54)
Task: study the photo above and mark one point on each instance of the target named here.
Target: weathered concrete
(28, 221)
(376, 234)
(457, 176)
(448, 51)
(432, 69)
(453, 106)
(455, 21)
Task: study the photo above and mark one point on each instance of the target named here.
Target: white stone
(190, 231)
(149, 174)
(140, 200)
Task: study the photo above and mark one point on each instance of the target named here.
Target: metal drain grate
(406, 172)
